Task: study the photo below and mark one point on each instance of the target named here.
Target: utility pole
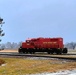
(1, 31)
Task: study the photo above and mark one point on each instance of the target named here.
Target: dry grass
(9, 51)
(71, 50)
(18, 66)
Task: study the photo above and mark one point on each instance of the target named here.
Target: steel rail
(33, 55)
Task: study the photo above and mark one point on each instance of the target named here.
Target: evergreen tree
(1, 31)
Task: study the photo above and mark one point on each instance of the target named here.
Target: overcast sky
(38, 18)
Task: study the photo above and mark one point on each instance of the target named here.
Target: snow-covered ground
(67, 72)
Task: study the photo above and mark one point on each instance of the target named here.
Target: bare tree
(71, 45)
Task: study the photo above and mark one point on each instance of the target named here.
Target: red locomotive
(49, 45)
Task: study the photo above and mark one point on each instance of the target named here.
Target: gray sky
(38, 18)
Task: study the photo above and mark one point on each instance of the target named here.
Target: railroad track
(65, 57)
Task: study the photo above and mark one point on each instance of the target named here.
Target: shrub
(2, 61)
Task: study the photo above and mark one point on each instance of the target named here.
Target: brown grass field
(23, 66)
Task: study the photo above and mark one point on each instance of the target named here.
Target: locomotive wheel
(48, 52)
(20, 50)
(23, 51)
(59, 51)
(65, 50)
(52, 51)
(26, 52)
(30, 52)
(33, 52)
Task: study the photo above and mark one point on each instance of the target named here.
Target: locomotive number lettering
(49, 42)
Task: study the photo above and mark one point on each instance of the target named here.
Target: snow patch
(67, 72)
(40, 58)
(3, 65)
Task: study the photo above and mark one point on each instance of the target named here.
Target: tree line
(71, 45)
(13, 45)
(10, 45)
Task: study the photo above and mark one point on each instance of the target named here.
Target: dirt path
(9, 51)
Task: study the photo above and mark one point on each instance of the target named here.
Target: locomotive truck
(49, 45)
